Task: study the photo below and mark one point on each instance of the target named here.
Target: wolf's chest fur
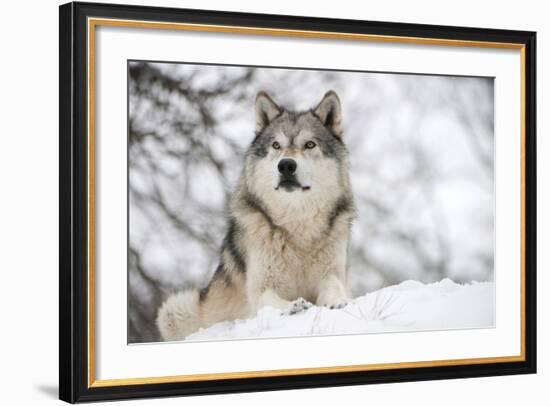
(295, 269)
(294, 257)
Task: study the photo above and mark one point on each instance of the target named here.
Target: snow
(409, 306)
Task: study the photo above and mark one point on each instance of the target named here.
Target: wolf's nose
(287, 166)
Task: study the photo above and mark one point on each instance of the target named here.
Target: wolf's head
(298, 157)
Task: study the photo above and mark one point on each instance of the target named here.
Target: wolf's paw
(334, 304)
(340, 305)
(297, 306)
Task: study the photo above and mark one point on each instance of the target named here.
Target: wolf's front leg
(264, 282)
(332, 293)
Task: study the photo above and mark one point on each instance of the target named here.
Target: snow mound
(408, 306)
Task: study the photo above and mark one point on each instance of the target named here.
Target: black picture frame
(74, 200)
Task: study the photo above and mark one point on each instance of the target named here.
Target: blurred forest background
(421, 150)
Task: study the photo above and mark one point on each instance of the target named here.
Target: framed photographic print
(258, 202)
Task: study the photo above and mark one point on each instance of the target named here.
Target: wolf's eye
(310, 145)
(276, 145)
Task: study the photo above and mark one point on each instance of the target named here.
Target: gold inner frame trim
(94, 22)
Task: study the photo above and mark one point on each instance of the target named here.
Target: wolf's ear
(329, 111)
(266, 110)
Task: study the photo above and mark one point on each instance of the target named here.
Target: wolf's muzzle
(287, 175)
(287, 167)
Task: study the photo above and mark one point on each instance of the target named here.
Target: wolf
(289, 224)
